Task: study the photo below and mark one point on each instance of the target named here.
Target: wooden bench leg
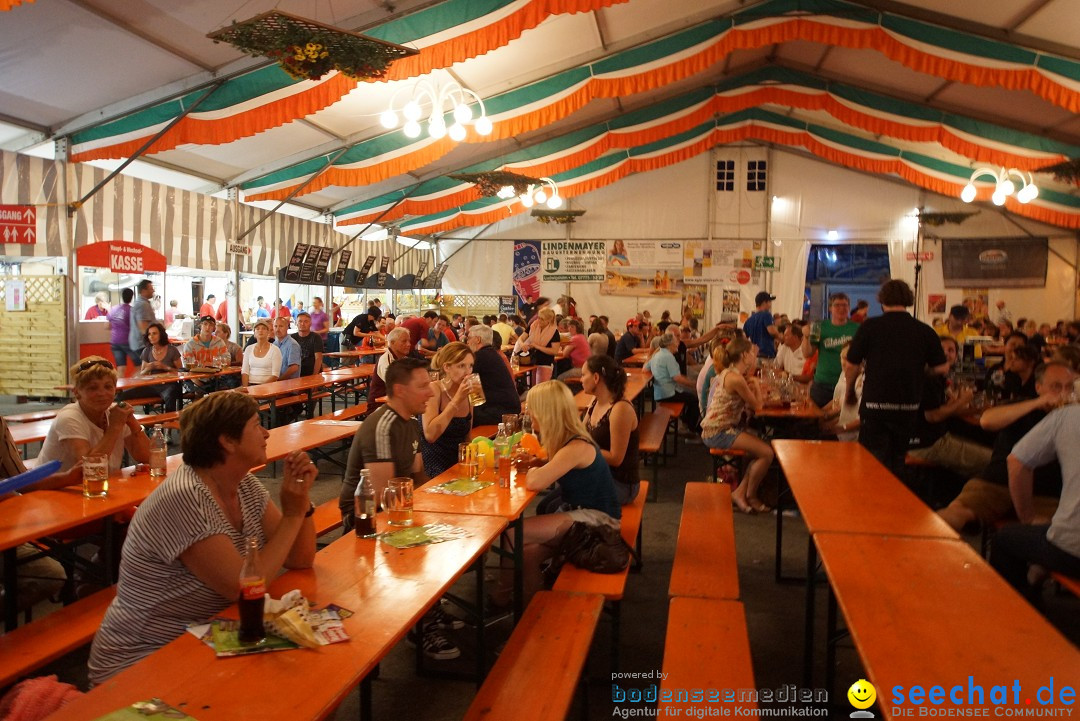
(639, 562)
(616, 627)
(365, 698)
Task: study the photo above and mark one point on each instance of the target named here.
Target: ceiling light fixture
(1004, 185)
(438, 101)
(543, 193)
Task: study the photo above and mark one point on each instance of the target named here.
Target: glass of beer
(95, 475)
(476, 390)
(469, 460)
(398, 501)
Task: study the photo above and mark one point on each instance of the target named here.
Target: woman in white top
(262, 359)
(839, 419)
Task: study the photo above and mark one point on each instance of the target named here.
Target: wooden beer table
(356, 353)
(271, 392)
(387, 589)
(506, 503)
(932, 612)
(142, 381)
(841, 488)
(637, 381)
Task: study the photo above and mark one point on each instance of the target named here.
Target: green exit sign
(764, 262)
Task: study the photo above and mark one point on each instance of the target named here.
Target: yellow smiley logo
(862, 695)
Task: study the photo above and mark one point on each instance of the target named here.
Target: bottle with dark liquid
(364, 507)
(252, 595)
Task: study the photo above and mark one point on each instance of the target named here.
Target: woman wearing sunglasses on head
(94, 423)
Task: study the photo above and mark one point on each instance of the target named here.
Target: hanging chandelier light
(436, 102)
(1004, 185)
(546, 192)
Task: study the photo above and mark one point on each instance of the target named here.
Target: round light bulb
(527, 201)
(540, 196)
(412, 129)
(1028, 193)
(388, 119)
(411, 111)
(506, 192)
(482, 126)
(1007, 187)
(968, 193)
(457, 132)
(436, 128)
(998, 197)
(462, 113)
(554, 202)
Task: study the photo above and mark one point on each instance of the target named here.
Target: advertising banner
(646, 254)
(576, 261)
(715, 260)
(994, 262)
(731, 307)
(643, 283)
(695, 298)
(527, 270)
(120, 257)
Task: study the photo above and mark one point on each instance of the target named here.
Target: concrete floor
(774, 613)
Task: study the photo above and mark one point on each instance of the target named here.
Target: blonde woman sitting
(735, 395)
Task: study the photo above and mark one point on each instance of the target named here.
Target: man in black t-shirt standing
(898, 351)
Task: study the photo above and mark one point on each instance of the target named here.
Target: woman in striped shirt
(181, 561)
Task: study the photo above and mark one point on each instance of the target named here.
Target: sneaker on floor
(440, 619)
(435, 645)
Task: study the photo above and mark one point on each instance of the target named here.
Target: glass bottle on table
(503, 449)
(364, 506)
(252, 594)
(159, 450)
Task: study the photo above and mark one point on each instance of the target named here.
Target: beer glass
(96, 475)
(469, 460)
(398, 501)
(476, 390)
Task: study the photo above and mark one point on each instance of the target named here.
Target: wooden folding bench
(610, 585)
(327, 517)
(705, 564)
(39, 642)
(1068, 583)
(730, 458)
(345, 414)
(652, 433)
(706, 647)
(538, 670)
(676, 409)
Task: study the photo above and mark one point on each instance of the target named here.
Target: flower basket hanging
(936, 219)
(489, 184)
(307, 50)
(1065, 172)
(560, 217)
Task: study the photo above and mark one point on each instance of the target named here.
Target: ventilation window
(755, 175)
(725, 175)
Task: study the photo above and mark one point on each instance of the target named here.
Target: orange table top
(840, 487)
(705, 564)
(636, 382)
(23, 433)
(508, 503)
(355, 353)
(931, 612)
(388, 589)
(289, 386)
(141, 381)
(305, 435)
(804, 411)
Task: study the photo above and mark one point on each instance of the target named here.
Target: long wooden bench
(153, 419)
(706, 647)
(30, 647)
(727, 458)
(344, 414)
(705, 565)
(652, 435)
(676, 409)
(327, 517)
(546, 653)
(610, 585)
(1068, 583)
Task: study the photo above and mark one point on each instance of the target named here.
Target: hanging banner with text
(573, 261)
(120, 257)
(643, 268)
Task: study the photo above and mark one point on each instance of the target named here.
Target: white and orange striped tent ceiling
(583, 91)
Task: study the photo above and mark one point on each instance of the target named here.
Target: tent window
(725, 175)
(755, 175)
(856, 263)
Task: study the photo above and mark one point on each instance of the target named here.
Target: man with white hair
(398, 346)
(495, 378)
(669, 383)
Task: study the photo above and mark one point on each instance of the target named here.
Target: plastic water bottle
(159, 449)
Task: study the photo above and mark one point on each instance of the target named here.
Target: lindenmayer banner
(569, 260)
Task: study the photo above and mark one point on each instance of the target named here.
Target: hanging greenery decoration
(936, 219)
(490, 183)
(1067, 171)
(307, 50)
(561, 217)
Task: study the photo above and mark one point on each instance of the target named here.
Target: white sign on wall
(573, 260)
(714, 260)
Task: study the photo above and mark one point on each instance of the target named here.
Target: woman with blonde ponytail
(735, 395)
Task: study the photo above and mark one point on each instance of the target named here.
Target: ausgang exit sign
(18, 224)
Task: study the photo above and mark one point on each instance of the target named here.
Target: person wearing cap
(956, 327)
(630, 340)
(207, 308)
(759, 327)
(830, 338)
(203, 350)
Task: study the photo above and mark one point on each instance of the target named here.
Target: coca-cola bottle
(364, 506)
(252, 595)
